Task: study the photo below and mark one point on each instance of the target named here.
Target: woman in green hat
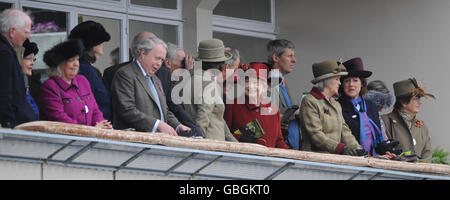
(322, 122)
(402, 124)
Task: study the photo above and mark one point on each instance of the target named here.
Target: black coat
(352, 118)
(177, 109)
(109, 73)
(14, 108)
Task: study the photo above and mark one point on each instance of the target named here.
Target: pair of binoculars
(390, 145)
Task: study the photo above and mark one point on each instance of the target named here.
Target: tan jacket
(397, 129)
(323, 125)
(207, 107)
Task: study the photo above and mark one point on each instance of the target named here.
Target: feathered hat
(410, 87)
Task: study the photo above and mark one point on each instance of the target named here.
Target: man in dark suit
(14, 108)
(175, 57)
(137, 95)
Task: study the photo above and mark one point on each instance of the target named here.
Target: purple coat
(67, 103)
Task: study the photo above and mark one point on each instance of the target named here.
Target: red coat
(237, 115)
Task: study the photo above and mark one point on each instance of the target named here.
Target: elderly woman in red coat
(253, 106)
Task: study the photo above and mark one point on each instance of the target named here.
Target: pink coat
(73, 103)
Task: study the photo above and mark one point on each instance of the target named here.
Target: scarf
(370, 133)
(409, 118)
(293, 139)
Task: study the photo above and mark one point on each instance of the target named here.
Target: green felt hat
(327, 69)
(409, 87)
(212, 50)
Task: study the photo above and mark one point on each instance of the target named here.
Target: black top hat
(91, 33)
(355, 68)
(62, 52)
(30, 47)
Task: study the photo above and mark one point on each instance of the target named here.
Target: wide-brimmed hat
(355, 68)
(30, 47)
(410, 87)
(212, 50)
(327, 69)
(91, 33)
(62, 52)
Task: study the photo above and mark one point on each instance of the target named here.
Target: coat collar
(317, 93)
(6, 41)
(140, 74)
(64, 85)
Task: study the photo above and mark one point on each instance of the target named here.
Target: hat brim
(362, 74)
(329, 75)
(226, 57)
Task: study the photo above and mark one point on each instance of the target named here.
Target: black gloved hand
(349, 151)
(387, 145)
(247, 138)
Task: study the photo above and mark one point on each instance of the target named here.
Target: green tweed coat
(416, 139)
(323, 125)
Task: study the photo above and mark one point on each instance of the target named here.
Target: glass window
(49, 28)
(251, 49)
(112, 26)
(170, 4)
(248, 9)
(168, 33)
(4, 6)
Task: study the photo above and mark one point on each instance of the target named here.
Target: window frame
(247, 27)
(122, 10)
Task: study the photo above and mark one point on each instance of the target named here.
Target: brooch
(418, 124)
(326, 111)
(160, 87)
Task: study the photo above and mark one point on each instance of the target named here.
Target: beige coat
(418, 133)
(207, 107)
(323, 125)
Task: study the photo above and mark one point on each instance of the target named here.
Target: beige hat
(327, 69)
(212, 50)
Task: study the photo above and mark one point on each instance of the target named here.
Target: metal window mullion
(279, 171)
(206, 165)
(357, 174)
(80, 152)
(59, 150)
(178, 164)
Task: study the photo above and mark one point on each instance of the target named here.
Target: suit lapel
(143, 81)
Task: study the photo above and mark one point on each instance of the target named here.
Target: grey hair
(322, 84)
(12, 18)
(148, 44)
(378, 85)
(277, 47)
(172, 51)
(235, 55)
(137, 40)
(54, 71)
